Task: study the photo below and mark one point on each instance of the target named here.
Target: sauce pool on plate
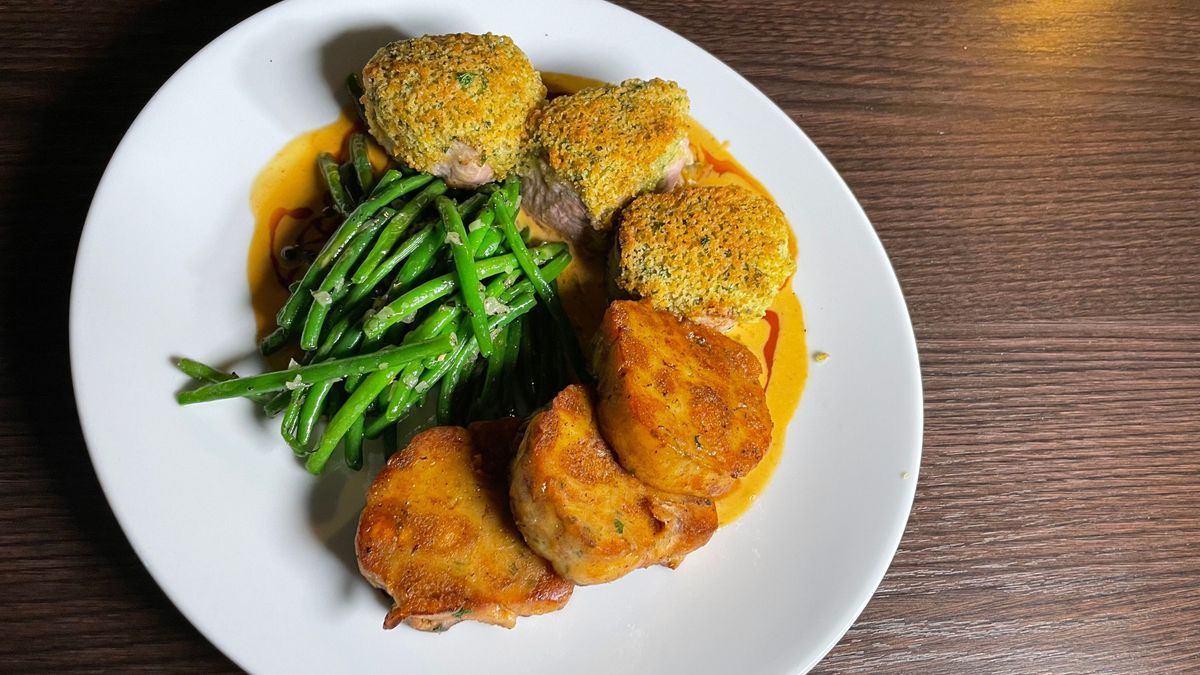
(291, 215)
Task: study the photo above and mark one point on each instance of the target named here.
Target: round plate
(260, 556)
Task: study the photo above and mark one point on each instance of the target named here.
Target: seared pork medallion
(456, 106)
(680, 403)
(594, 150)
(437, 535)
(585, 514)
(714, 255)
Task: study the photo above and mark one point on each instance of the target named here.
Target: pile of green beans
(422, 291)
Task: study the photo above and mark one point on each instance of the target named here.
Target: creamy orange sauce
(785, 364)
(288, 203)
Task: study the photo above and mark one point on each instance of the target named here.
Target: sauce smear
(292, 219)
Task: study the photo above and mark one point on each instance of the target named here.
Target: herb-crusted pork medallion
(714, 255)
(596, 149)
(456, 106)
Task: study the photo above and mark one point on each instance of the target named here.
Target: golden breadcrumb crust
(711, 254)
(680, 404)
(436, 534)
(424, 93)
(611, 143)
(579, 509)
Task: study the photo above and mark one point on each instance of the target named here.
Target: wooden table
(1033, 169)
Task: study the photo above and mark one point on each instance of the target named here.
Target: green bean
(307, 375)
(424, 257)
(478, 229)
(274, 341)
(340, 329)
(431, 326)
(474, 239)
(405, 398)
(348, 414)
(541, 357)
(363, 171)
(493, 289)
(277, 403)
(527, 371)
(508, 375)
(203, 372)
(300, 298)
(421, 260)
(490, 243)
(439, 322)
(370, 207)
(401, 389)
(355, 88)
(333, 180)
(468, 345)
(468, 277)
(469, 208)
(289, 427)
(421, 241)
(406, 389)
(385, 181)
(550, 272)
(410, 245)
(353, 445)
(505, 213)
(409, 303)
(551, 368)
(345, 329)
(345, 335)
(440, 287)
(492, 399)
(314, 405)
(350, 341)
(367, 346)
(512, 188)
(350, 183)
(335, 280)
(519, 308)
(416, 241)
(491, 378)
(499, 287)
(310, 334)
(395, 228)
(454, 377)
(381, 401)
(332, 336)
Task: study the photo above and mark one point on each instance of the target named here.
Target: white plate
(258, 554)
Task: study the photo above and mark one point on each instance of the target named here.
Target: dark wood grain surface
(1033, 168)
